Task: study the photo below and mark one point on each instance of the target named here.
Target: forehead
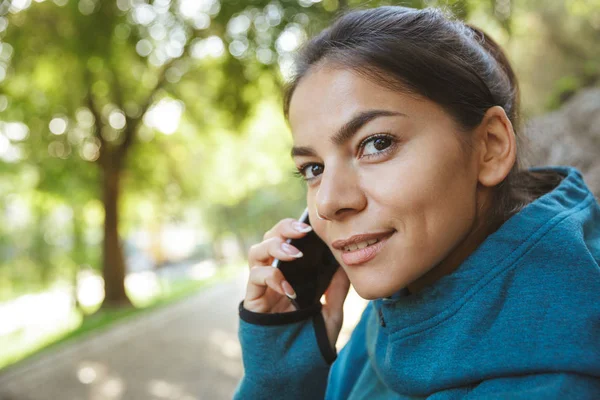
(328, 97)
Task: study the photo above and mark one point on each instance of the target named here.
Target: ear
(498, 147)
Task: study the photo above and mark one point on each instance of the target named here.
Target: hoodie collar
(406, 313)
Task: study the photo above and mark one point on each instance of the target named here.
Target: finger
(263, 277)
(288, 228)
(264, 252)
(283, 305)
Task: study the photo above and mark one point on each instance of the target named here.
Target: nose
(340, 193)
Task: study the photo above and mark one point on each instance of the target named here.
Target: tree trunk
(113, 260)
(78, 253)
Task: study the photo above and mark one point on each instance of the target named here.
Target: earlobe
(499, 148)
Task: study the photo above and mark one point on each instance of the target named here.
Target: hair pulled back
(426, 53)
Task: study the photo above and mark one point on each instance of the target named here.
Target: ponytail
(455, 65)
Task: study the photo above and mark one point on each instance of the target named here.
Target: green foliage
(75, 72)
(564, 89)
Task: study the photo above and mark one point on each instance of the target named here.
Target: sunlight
(36, 315)
(58, 125)
(178, 242)
(17, 212)
(86, 375)
(102, 385)
(229, 346)
(113, 388)
(3, 24)
(19, 5)
(16, 131)
(227, 343)
(4, 144)
(239, 25)
(144, 47)
(210, 47)
(142, 285)
(203, 270)
(165, 390)
(116, 119)
(144, 14)
(89, 372)
(165, 116)
(191, 8)
(90, 288)
(290, 39)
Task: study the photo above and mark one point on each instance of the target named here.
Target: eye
(376, 144)
(310, 171)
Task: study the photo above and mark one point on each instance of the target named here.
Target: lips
(362, 248)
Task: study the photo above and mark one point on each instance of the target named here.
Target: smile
(361, 245)
(362, 248)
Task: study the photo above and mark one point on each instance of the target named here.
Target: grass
(21, 350)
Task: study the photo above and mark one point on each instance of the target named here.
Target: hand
(267, 290)
(333, 309)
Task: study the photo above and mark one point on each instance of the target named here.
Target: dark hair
(427, 53)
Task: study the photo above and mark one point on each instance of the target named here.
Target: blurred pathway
(186, 351)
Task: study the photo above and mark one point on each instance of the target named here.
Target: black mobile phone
(310, 274)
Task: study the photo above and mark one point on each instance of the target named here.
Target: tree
(93, 70)
(101, 85)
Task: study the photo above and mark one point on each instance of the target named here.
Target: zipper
(381, 320)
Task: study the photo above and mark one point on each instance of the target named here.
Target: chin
(368, 291)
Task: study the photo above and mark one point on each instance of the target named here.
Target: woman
(483, 278)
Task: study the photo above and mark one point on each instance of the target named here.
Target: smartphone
(310, 274)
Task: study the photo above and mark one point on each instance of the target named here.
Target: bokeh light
(117, 119)
(19, 5)
(210, 47)
(165, 116)
(58, 125)
(16, 131)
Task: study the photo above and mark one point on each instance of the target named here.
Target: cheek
(402, 186)
(425, 195)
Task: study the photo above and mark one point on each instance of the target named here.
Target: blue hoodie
(519, 319)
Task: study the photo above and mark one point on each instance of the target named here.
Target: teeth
(361, 245)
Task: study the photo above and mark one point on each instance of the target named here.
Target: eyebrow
(348, 130)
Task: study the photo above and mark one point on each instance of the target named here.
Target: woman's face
(387, 171)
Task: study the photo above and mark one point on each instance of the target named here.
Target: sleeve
(285, 355)
(548, 386)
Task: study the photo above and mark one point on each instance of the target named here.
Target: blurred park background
(143, 148)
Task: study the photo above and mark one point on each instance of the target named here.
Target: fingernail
(301, 227)
(291, 250)
(289, 291)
